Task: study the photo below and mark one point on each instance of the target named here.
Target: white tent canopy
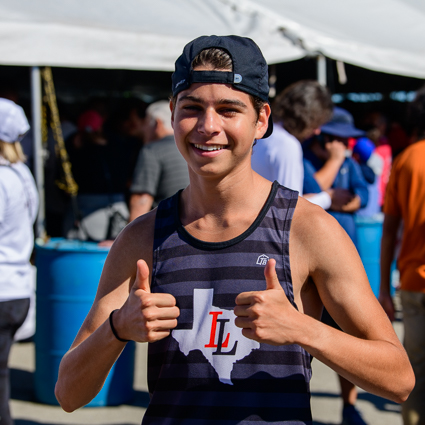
(126, 34)
(383, 35)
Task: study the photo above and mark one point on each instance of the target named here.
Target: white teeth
(209, 148)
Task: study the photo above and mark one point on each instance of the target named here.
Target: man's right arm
(142, 316)
(140, 203)
(327, 174)
(146, 178)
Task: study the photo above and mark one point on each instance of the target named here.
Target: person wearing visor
(18, 210)
(229, 307)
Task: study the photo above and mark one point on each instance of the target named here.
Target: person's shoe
(351, 416)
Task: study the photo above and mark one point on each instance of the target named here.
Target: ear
(158, 124)
(263, 121)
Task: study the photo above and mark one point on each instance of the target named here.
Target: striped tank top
(206, 372)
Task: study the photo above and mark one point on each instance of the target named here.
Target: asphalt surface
(326, 403)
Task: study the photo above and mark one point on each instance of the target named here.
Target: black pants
(12, 315)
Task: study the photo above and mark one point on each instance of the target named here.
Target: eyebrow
(233, 102)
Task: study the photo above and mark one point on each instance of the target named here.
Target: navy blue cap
(341, 125)
(249, 73)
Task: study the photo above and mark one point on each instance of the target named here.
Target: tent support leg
(36, 101)
(321, 70)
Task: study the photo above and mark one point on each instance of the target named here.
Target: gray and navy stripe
(270, 384)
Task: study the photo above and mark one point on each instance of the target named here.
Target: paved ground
(326, 404)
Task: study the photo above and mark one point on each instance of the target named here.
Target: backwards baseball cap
(341, 124)
(249, 73)
(13, 122)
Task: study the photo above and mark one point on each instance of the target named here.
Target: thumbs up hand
(142, 278)
(146, 316)
(272, 281)
(266, 316)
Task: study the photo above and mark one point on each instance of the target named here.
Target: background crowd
(125, 161)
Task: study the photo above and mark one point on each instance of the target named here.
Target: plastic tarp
(383, 35)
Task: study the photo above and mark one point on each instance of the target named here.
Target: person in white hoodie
(18, 210)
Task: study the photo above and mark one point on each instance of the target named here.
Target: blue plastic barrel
(68, 273)
(369, 235)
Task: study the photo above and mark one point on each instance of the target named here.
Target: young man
(227, 292)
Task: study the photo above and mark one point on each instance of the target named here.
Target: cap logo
(237, 78)
(180, 82)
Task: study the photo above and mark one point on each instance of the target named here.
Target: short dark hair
(215, 58)
(219, 59)
(415, 122)
(303, 105)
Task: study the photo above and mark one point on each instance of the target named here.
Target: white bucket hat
(13, 122)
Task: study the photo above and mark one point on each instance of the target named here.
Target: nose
(209, 123)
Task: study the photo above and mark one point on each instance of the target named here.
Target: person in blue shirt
(328, 167)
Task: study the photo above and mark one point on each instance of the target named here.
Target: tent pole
(40, 231)
(321, 70)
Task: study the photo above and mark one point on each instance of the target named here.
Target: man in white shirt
(298, 113)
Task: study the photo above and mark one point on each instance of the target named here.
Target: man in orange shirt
(404, 201)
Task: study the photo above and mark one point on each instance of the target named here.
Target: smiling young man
(226, 279)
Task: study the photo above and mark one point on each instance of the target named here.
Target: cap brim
(342, 130)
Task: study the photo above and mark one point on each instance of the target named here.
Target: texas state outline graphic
(215, 334)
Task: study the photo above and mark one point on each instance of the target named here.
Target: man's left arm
(367, 352)
(390, 228)
(388, 245)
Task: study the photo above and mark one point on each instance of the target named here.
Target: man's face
(134, 125)
(331, 138)
(150, 129)
(215, 126)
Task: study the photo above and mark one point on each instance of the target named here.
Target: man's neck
(215, 211)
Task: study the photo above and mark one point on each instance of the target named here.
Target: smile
(210, 148)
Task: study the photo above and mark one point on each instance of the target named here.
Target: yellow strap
(70, 186)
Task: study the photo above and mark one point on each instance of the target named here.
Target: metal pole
(321, 70)
(38, 148)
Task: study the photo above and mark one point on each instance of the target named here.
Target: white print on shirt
(215, 334)
(262, 260)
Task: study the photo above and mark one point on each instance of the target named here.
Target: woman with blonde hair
(18, 210)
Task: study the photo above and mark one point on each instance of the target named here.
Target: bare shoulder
(312, 224)
(334, 266)
(324, 243)
(314, 235)
(135, 242)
